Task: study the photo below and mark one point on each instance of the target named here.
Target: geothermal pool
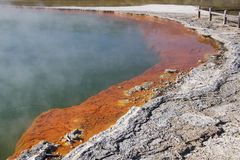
(52, 59)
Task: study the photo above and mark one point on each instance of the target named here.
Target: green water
(52, 60)
(218, 4)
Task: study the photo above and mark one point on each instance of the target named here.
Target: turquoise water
(52, 59)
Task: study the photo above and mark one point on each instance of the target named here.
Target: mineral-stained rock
(156, 92)
(40, 151)
(73, 136)
(144, 86)
(170, 71)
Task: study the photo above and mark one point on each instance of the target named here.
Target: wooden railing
(226, 17)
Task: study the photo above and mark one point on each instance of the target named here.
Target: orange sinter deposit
(178, 47)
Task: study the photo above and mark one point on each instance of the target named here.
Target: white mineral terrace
(153, 8)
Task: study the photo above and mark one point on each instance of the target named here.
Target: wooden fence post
(225, 17)
(210, 14)
(239, 20)
(199, 12)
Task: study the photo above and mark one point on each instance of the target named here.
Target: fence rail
(226, 17)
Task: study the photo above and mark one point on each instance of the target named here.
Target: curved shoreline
(199, 120)
(151, 15)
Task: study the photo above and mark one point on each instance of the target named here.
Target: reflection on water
(54, 60)
(225, 4)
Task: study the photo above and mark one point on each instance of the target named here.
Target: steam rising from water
(51, 59)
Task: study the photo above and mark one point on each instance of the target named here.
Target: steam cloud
(51, 59)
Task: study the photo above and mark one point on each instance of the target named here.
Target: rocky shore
(198, 118)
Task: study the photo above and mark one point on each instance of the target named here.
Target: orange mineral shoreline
(178, 47)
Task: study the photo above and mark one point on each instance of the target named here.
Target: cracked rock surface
(200, 119)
